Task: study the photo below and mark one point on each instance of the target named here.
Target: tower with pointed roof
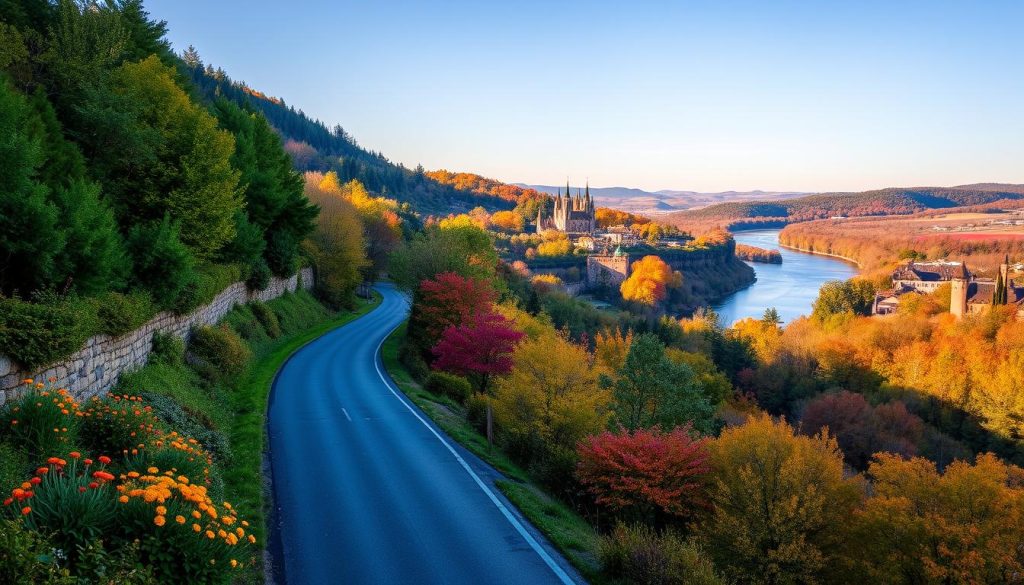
(572, 214)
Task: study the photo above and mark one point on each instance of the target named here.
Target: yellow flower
(234, 563)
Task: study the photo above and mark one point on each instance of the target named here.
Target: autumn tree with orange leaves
(649, 281)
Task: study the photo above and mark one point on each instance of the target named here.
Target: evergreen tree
(29, 239)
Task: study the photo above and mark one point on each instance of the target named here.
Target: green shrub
(638, 554)
(444, 384)
(413, 361)
(476, 412)
(207, 282)
(162, 264)
(120, 313)
(214, 442)
(117, 423)
(45, 330)
(297, 311)
(27, 557)
(41, 422)
(94, 563)
(220, 350)
(168, 349)
(14, 466)
(259, 275)
(267, 318)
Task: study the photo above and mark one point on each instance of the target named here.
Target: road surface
(368, 490)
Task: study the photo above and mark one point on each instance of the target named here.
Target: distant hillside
(891, 201)
(665, 201)
(315, 147)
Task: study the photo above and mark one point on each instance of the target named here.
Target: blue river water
(790, 287)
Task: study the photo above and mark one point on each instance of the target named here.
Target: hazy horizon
(706, 97)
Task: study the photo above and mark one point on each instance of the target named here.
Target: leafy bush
(45, 330)
(14, 465)
(120, 313)
(221, 351)
(412, 359)
(41, 421)
(476, 412)
(267, 318)
(637, 554)
(115, 424)
(167, 349)
(184, 536)
(27, 557)
(163, 265)
(209, 280)
(169, 411)
(444, 384)
(259, 275)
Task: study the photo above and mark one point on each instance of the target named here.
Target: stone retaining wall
(96, 367)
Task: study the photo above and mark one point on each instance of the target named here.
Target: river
(790, 287)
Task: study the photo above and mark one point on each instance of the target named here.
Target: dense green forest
(892, 201)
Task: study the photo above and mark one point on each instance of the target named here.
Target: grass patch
(569, 532)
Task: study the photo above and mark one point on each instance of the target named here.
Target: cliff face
(709, 274)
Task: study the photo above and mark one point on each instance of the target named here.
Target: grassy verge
(235, 410)
(573, 535)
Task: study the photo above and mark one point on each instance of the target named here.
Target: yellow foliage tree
(611, 348)
(508, 220)
(779, 500)
(551, 395)
(558, 246)
(649, 281)
(336, 245)
(962, 526)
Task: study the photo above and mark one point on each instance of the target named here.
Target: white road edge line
(557, 570)
(345, 412)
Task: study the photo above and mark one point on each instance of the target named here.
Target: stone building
(969, 294)
(608, 270)
(573, 214)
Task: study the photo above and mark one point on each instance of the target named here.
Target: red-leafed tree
(478, 349)
(448, 299)
(647, 474)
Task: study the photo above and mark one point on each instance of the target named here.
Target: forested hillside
(893, 201)
(315, 147)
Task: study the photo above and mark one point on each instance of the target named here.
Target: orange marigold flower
(210, 534)
(153, 470)
(161, 510)
(87, 461)
(252, 539)
(104, 475)
(196, 514)
(234, 563)
(104, 459)
(75, 455)
(159, 520)
(35, 481)
(123, 499)
(179, 519)
(26, 511)
(27, 381)
(53, 460)
(196, 528)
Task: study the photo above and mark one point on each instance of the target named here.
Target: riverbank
(816, 253)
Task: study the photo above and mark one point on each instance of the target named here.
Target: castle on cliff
(573, 214)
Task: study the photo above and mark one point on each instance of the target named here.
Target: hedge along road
(368, 490)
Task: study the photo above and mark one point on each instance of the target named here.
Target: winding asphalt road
(368, 490)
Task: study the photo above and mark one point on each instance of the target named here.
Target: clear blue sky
(709, 96)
